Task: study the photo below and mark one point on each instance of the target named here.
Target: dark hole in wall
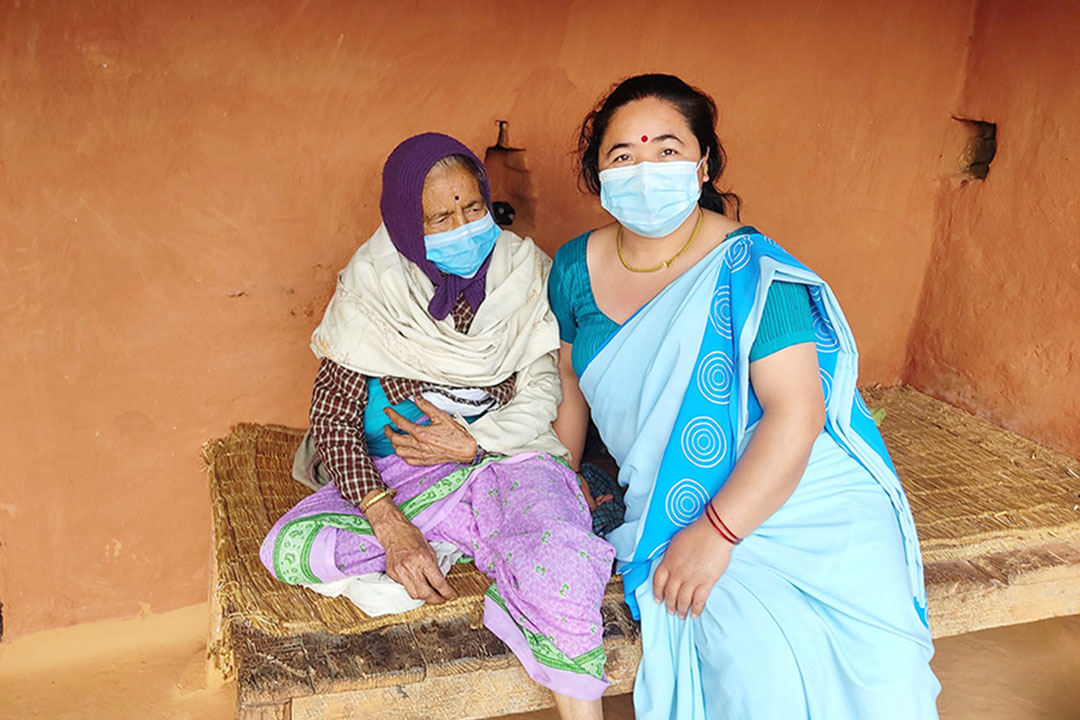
(981, 147)
(504, 213)
(513, 191)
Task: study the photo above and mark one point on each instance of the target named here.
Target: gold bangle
(388, 492)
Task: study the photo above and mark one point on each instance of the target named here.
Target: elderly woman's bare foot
(573, 709)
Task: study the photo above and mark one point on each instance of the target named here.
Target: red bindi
(644, 138)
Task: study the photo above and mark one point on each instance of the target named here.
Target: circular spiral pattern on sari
(720, 314)
(685, 502)
(703, 442)
(715, 377)
(827, 341)
(738, 255)
(826, 385)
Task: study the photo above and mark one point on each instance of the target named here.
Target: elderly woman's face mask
(459, 233)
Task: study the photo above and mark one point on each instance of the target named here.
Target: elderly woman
(431, 424)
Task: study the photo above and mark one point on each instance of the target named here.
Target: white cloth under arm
(524, 423)
(379, 594)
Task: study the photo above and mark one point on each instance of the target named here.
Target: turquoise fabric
(581, 322)
(375, 418)
(785, 321)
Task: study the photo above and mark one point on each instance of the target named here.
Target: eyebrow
(658, 138)
(440, 214)
(615, 147)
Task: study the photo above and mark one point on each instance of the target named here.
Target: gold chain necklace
(665, 263)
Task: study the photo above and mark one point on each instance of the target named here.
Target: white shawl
(377, 323)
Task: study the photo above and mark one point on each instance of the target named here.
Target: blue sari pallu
(822, 610)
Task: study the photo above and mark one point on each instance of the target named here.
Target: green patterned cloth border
(292, 546)
(590, 662)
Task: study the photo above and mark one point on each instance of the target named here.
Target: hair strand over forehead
(459, 162)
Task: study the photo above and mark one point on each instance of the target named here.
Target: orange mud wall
(179, 183)
(999, 327)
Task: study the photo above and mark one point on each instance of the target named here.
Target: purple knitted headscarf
(403, 214)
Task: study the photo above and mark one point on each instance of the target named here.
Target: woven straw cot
(997, 516)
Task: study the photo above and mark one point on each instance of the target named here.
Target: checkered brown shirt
(337, 416)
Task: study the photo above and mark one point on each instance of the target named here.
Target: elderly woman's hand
(409, 557)
(444, 440)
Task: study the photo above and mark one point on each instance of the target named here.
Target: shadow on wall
(513, 190)
(994, 332)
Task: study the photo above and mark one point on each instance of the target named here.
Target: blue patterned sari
(822, 611)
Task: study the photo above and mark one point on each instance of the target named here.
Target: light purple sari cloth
(523, 520)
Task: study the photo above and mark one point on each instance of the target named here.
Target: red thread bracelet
(720, 526)
(724, 525)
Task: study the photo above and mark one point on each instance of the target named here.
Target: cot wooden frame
(997, 520)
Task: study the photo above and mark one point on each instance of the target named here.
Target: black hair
(696, 107)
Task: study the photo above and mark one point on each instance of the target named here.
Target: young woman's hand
(592, 502)
(693, 562)
(443, 441)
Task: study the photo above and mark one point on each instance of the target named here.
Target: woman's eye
(622, 158)
(666, 152)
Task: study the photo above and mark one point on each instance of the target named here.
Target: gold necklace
(665, 263)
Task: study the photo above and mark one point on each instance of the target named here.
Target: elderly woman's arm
(409, 557)
(337, 429)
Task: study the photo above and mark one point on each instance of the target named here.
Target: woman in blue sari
(768, 548)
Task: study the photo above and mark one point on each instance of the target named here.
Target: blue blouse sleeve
(561, 291)
(785, 320)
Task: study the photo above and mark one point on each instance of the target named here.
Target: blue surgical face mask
(651, 199)
(462, 251)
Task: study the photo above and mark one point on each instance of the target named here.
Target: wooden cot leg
(265, 712)
(215, 673)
